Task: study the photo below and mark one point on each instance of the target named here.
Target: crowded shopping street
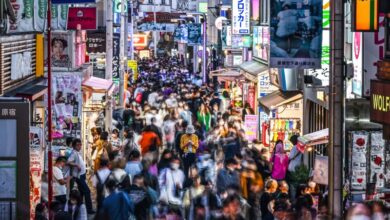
(195, 110)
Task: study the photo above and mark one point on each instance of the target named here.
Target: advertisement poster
(24, 13)
(36, 167)
(194, 34)
(377, 159)
(96, 42)
(8, 179)
(241, 16)
(226, 36)
(115, 56)
(374, 50)
(261, 42)
(67, 102)
(62, 49)
(133, 69)
(251, 123)
(82, 18)
(357, 60)
(323, 72)
(296, 34)
(359, 161)
(181, 34)
(321, 170)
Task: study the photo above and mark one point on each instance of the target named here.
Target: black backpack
(100, 186)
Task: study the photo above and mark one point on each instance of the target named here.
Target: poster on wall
(67, 102)
(321, 170)
(24, 13)
(323, 72)
(357, 60)
(241, 16)
(36, 167)
(374, 43)
(251, 123)
(296, 34)
(377, 159)
(359, 160)
(62, 50)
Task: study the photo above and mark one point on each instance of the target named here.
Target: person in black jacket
(140, 197)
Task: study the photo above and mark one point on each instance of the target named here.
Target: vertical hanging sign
(115, 56)
(241, 16)
(365, 15)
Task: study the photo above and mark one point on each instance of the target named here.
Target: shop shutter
(13, 45)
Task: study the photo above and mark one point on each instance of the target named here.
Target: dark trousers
(188, 160)
(84, 191)
(61, 199)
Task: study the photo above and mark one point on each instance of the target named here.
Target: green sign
(42, 5)
(64, 11)
(203, 7)
(118, 5)
(28, 8)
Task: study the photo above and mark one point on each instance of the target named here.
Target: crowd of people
(179, 151)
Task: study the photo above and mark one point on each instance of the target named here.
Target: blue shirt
(133, 168)
(118, 205)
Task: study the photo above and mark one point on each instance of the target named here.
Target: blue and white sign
(241, 16)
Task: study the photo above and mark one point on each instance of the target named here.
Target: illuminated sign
(241, 16)
(365, 15)
(140, 40)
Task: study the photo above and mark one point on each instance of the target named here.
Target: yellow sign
(366, 15)
(39, 56)
(133, 68)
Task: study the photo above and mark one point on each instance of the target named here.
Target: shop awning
(315, 138)
(253, 67)
(227, 74)
(98, 85)
(31, 90)
(278, 98)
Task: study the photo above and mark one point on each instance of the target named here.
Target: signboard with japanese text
(115, 56)
(96, 42)
(160, 27)
(296, 34)
(241, 17)
(194, 34)
(71, 1)
(226, 36)
(36, 167)
(323, 72)
(251, 123)
(373, 45)
(357, 60)
(82, 18)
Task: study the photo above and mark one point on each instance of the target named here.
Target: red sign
(140, 40)
(82, 18)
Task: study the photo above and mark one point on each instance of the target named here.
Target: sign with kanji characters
(115, 56)
(323, 72)
(82, 18)
(96, 42)
(296, 34)
(241, 16)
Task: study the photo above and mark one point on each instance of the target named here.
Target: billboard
(241, 16)
(374, 43)
(357, 60)
(82, 18)
(194, 33)
(296, 34)
(181, 34)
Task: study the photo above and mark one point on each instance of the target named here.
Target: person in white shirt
(76, 162)
(171, 182)
(59, 182)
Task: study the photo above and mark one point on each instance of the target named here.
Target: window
(163, 2)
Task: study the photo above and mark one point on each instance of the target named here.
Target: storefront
(97, 94)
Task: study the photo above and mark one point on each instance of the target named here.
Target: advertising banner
(374, 50)
(140, 40)
(323, 72)
(115, 56)
(241, 16)
(181, 34)
(226, 36)
(36, 167)
(160, 27)
(82, 18)
(133, 69)
(63, 50)
(24, 13)
(357, 60)
(96, 42)
(297, 34)
(63, 16)
(194, 34)
(67, 101)
(261, 42)
(359, 160)
(71, 1)
(251, 123)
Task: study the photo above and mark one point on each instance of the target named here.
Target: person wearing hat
(59, 183)
(189, 144)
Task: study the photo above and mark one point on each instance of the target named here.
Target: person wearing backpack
(99, 180)
(140, 197)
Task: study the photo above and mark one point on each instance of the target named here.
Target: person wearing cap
(59, 183)
(189, 144)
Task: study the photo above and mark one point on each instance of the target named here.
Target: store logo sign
(380, 102)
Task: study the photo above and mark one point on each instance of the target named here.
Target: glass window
(8, 142)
